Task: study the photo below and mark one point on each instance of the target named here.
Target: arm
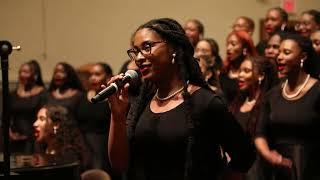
(232, 138)
(272, 156)
(118, 145)
(261, 143)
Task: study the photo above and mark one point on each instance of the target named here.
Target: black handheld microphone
(130, 75)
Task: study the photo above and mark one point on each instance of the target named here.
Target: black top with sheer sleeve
(158, 150)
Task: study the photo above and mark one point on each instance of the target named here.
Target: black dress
(158, 148)
(94, 122)
(22, 116)
(292, 127)
(71, 103)
(229, 87)
(255, 172)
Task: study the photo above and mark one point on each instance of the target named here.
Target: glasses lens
(146, 49)
(132, 54)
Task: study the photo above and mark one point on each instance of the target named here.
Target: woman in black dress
(177, 124)
(94, 119)
(59, 136)
(239, 45)
(65, 88)
(25, 101)
(288, 130)
(256, 76)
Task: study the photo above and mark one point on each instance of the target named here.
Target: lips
(36, 133)
(281, 67)
(241, 84)
(144, 69)
(268, 29)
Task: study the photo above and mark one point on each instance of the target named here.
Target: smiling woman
(257, 75)
(173, 127)
(294, 156)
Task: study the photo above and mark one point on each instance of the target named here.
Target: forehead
(306, 17)
(289, 44)
(273, 13)
(241, 21)
(191, 26)
(315, 35)
(233, 37)
(96, 67)
(246, 64)
(25, 67)
(59, 67)
(275, 39)
(144, 35)
(42, 112)
(203, 44)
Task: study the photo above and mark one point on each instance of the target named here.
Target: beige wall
(82, 31)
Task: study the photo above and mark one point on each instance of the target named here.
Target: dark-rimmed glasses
(145, 49)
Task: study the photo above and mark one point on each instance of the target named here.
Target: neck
(296, 78)
(52, 145)
(235, 63)
(27, 87)
(253, 94)
(166, 88)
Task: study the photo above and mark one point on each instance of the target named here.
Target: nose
(140, 57)
(35, 124)
(279, 58)
(268, 50)
(229, 47)
(240, 74)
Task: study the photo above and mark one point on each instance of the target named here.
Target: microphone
(130, 75)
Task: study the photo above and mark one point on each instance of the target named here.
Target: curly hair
(172, 32)
(69, 137)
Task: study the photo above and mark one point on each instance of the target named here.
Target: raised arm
(118, 146)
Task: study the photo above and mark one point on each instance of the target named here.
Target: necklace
(251, 103)
(168, 97)
(299, 90)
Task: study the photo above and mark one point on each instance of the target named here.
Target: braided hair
(172, 32)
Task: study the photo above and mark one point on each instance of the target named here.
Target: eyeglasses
(145, 49)
(301, 24)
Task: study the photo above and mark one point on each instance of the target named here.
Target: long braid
(190, 72)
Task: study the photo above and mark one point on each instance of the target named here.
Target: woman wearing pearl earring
(288, 128)
(57, 135)
(256, 76)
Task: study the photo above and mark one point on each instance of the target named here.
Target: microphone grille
(133, 74)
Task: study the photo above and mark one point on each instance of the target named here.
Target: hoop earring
(173, 56)
(301, 63)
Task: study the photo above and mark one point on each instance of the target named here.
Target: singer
(176, 126)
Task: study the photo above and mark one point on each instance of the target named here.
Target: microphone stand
(5, 50)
